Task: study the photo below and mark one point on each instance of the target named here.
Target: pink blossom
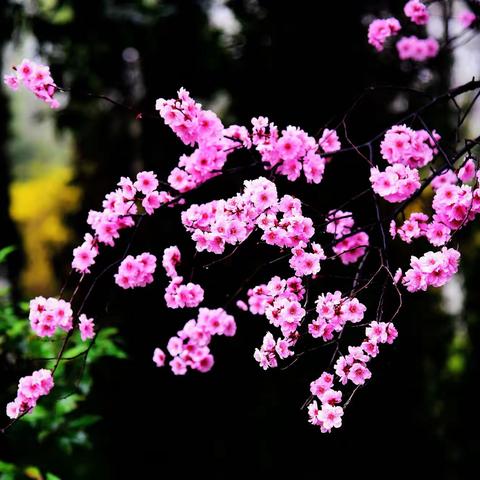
(86, 327)
(146, 182)
(447, 178)
(467, 172)
(329, 141)
(417, 12)
(321, 385)
(359, 373)
(241, 305)
(330, 417)
(467, 18)
(159, 357)
(380, 30)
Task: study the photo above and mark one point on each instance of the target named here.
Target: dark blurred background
(299, 63)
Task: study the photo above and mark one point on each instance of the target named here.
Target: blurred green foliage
(61, 418)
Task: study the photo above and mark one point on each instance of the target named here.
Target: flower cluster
(178, 295)
(30, 389)
(285, 226)
(196, 126)
(417, 12)
(84, 255)
(279, 300)
(412, 148)
(289, 153)
(432, 269)
(396, 183)
(353, 367)
(221, 222)
(349, 368)
(380, 30)
(271, 350)
(329, 415)
(119, 207)
(455, 205)
(306, 263)
(418, 49)
(48, 314)
(36, 78)
(136, 271)
(190, 348)
(334, 311)
(408, 48)
(188, 120)
(294, 150)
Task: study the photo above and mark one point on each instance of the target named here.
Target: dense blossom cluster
(453, 206)
(412, 148)
(289, 153)
(405, 150)
(432, 269)
(190, 347)
(30, 389)
(48, 314)
(334, 311)
(36, 78)
(294, 150)
(119, 207)
(380, 30)
(278, 221)
(396, 183)
(279, 300)
(202, 128)
(136, 271)
(178, 294)
(231, 221)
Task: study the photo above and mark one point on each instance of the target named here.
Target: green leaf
(5, 252)
(51, 476)
(7, 467)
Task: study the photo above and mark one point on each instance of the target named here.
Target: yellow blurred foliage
(39, 206)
